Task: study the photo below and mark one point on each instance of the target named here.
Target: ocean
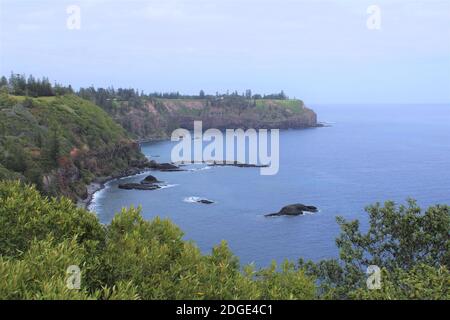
(367, 154)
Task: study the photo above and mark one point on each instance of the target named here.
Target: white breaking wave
(200, 169)
(195, 199)
(192, 199)
(311, 213)
(168, 186)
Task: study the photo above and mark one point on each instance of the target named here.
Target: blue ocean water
(369, 153)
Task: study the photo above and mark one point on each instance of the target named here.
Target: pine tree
(53, 150)
(3, 82)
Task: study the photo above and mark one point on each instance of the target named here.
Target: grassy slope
(60, 143)
(295, 106)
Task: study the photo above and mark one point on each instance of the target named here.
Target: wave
(200, 169)
(311, 213)
(168, 186)
(194, 199)
(97, 196)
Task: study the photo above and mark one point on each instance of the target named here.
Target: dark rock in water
(149, 180)
(167, 167)
(205, 201)
(149, 183)
(293, 210)
(236, 164)
(138, 186)
(198, 200)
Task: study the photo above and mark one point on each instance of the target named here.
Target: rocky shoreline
(149, 183)
(99, 183)
(235, 164)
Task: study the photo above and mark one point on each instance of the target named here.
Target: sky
(324, 52)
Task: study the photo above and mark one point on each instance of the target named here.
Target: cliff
(61, 144)
(156, 118)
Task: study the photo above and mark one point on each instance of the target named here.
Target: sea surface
(368, 154)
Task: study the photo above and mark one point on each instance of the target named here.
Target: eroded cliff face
(157, 118)
(75, 171)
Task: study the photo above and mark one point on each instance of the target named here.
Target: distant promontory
(155, 116)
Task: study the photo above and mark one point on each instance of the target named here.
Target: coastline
(100, 183)
(92, 188)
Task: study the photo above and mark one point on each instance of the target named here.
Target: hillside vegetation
(61, 143)
(156, 116)
(131, 258)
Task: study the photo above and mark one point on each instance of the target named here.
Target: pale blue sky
(320, 51)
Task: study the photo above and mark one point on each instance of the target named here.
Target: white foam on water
(200, 169)
(168, 186)
(192, 199)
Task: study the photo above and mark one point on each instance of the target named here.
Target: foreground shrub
(422, 282)
(132, 258)
(409, 244)
(129, 259)
(25, 216)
